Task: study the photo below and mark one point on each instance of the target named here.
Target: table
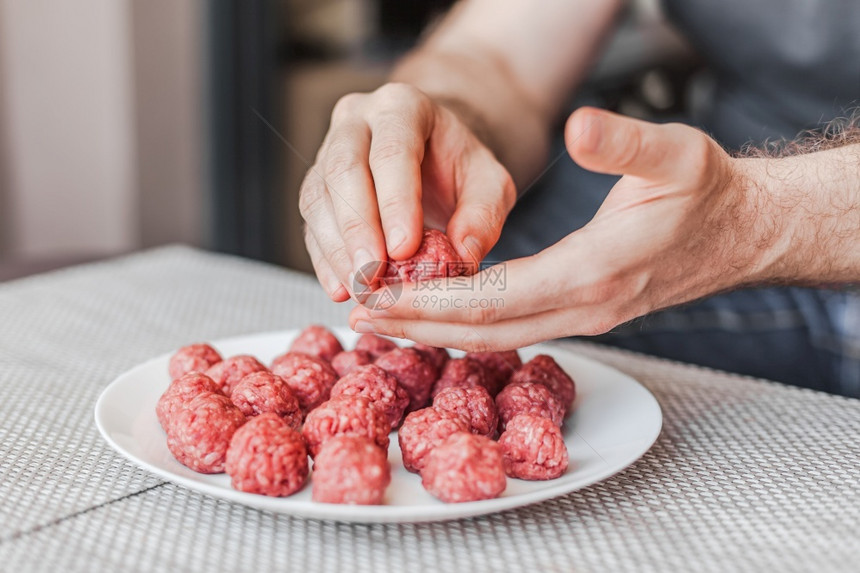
(748, 475)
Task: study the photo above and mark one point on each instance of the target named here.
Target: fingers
(326, 275)
(396, 152)
(610, 143)
(503, 335)
(350, 186)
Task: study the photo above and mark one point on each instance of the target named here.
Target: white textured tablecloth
(747, 475)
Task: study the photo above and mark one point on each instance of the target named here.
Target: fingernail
(362, 262)
(395, 238)
(363, 327)
(339, 291)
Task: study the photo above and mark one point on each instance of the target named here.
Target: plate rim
(308, 509)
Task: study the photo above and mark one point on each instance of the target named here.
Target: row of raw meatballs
(259, 424)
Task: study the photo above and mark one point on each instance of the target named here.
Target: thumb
(606, 142)
(486, 197)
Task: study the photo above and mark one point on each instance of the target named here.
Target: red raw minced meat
(463, 372)
(413, 372)
(472, 403)
(310, 378)
(227, 373)
(263, 392)
(345, 415)
(317, 341)
(181, 391)
(378, 386)
(465, 467)
(528, 398)
(350, 469)
(533, 448)
(435, 259)
(374, 345)
(423, 430)
(200, 432)
(435, 355)
(192, 358)
(544, 369)
(499, 365)
(267, 457)
(348, 360)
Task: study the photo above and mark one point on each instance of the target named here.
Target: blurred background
(129, 124)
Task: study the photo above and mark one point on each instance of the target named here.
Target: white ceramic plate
(614, 422)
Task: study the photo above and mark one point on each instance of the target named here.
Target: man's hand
(684, 221)
(393, 161)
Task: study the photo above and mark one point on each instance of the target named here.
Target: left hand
(683, 222)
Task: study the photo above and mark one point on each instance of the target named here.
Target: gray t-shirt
(781, 66)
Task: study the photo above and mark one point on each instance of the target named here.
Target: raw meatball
(267, 457)
(533, 448)
(310, 378)
(435, 355)
(412, 371)
(180, 392)
(378, 386)
(200, 432)
(317, 341)
(465, 467)
(544, 369)
(474, 404)
(350, 469)
(227, 373)
(263, 392)
(375, 345)
(193, 358)
(435, 258)
(463, 372)
(345, 415)
(499, 365)
(423, 430)
(345, 362)
(528, 398)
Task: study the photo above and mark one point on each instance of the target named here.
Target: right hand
(394, 161)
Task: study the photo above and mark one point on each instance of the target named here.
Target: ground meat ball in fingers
(263, 392)
(474, 404)
(435, 258)
(345, 415)
(348, 360)
(424, 430)
(350, 469)
(375, 345)
(465, 467)
(310, 378)
(192, 358)
(200, 432)
(499, 365)
(267, 457)
(435, 355)
(463, 372)
(229, 372)
(528, 398)
(413, 372)
(378, 386)
(533, 448)
(544, 369)
(317, 341)
(181, 391)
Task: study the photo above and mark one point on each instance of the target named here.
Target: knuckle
(346, 105)
(387, 151)
(628, 153)
(483, 314)
(470, 341)
(310, 199)
(352, 228)
(395, 92)
(341, 162)
(394, 205)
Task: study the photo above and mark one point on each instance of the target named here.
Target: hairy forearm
(809, 210)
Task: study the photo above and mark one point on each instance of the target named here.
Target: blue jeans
(806, 337)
